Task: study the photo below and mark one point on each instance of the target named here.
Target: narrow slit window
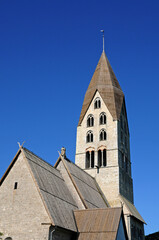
(90, 159)
(87, 159)
(102, 158)
(15, 185)
(99, 158)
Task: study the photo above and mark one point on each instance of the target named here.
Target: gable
(96, 112)
(48, 186)
(21, 208)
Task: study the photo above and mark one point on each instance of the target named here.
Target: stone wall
(108, 177)
(22, 213)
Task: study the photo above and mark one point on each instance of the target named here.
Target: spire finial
(20, 146)
(103, 38)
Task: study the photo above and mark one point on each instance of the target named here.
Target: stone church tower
(102, 147)
(102, 144)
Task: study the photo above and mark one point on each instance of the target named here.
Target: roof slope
(87, 186)
(54, 191)
(132, 209)
(99, 224)
(105, 82)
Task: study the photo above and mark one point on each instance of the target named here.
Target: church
(89, 199)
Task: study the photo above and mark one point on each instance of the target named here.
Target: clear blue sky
(48, 53)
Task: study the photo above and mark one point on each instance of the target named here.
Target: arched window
(90, 159)
(89, 136)
(97, 103)
(102, 135)
(90, 121)
(102, 118)
(8, 238)
(102, 158)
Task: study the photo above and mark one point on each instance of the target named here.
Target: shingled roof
(131, 209)
(99, 224)
(54, 191)
(105, 81)
(88, 187)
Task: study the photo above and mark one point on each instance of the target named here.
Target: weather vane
(103, 38)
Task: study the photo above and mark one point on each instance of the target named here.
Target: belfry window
(102, 135)
(102, 118)
(97, 103)
(102, 158)
(89, 136)
(90, 121)
(90, 159)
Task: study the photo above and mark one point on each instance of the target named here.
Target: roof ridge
(110, 68)
(10, 166)
(46, 168)
(97, 209)
(80, 169)
(73, 182)
(84, 182)
(26, 149)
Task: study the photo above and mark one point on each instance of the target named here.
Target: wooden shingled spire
(105, 82)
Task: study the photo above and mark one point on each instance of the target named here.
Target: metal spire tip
(103, 38)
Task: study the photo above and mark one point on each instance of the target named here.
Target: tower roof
(105, 81)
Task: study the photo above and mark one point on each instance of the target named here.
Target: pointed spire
(104, 81)
(103, 38)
